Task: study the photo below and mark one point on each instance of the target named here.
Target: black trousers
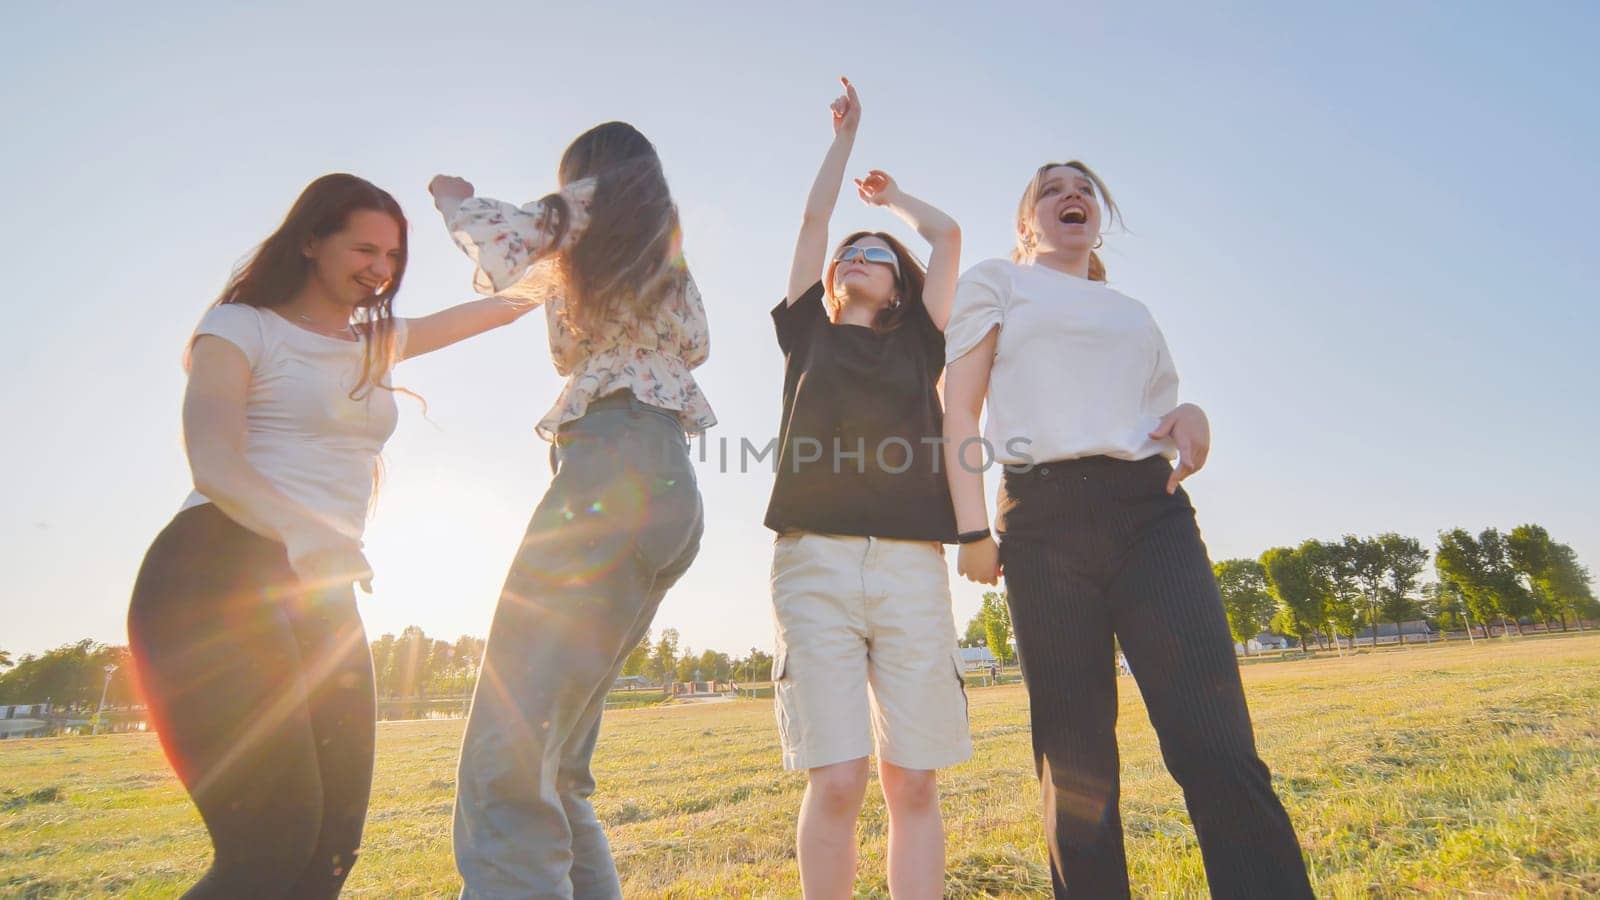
(1094, 548)
(263, 698)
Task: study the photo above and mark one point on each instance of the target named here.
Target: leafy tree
(468, 653)
(977, 635)
(1245, 598)
(688, 663)
(757, 666)
(382, 662)
(1403, 561)
(1456, 561)
(1571, 580)
(638, 657)
(663, 665)
(70, 676)
(1480, 568)
(1530, 550)
(715, 666)
(997, 624)
(1441, 603)
(1361, 559)
(1297, 578)
(1515, 599)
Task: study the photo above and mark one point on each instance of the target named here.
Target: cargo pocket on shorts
(787, 737)
(960, 665)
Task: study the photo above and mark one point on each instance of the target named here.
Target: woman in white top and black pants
(243, 624)
(1100, 541)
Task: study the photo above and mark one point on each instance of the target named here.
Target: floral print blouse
(512, 247)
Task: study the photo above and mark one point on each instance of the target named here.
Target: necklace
(347, 329)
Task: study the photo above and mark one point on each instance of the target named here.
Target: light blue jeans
(619, 525)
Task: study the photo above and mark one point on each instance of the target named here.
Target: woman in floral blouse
(621, 521)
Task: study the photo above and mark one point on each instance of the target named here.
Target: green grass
(1450, 770)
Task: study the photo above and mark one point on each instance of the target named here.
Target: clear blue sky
(1366, 231)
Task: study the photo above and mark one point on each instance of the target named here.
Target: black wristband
(972, 537)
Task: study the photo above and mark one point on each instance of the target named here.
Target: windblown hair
(277, 269)
(629, 257)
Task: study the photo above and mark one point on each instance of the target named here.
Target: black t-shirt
(859, 449)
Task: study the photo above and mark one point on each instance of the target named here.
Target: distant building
(1261, 643)
(975, 658)
(1416, 629)
(631, 683)
(24, 720)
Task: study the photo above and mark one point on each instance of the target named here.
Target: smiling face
(1066, 214)
(354, 265)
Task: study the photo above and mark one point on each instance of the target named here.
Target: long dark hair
(277, 269)
(628, 258)
(908, 282)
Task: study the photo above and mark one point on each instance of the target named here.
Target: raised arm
(504, 240)
(937, 228)
(966, 382)
(811, 248)
(213, 436)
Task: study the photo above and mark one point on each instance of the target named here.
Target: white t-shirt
(1079, 369)
(303, 433)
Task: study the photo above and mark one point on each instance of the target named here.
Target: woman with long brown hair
(1100, 545)
(620, 523)
(243, 623)
(866, 642)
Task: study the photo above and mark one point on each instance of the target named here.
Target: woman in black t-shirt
(866, 643)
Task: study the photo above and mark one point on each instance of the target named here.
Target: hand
(846, 109)
(1188, 428)
(448, 191)
(980, 561)
(877, 189)
(323, 558)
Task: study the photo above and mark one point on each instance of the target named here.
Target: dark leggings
(262, 696)
(1095, 548)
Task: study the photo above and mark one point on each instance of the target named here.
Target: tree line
(1315, 592)
(660, 660)
(70, 676)
(1322, 591)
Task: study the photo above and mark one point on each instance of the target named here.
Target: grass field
(1450, 770)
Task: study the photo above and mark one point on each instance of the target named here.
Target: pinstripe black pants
(1093, 548)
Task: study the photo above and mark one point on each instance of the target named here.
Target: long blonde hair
(1025, 251)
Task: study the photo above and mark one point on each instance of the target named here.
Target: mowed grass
(1453, 771)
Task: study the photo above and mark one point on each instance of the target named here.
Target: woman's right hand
(980, 561)
(323, 558)
(846, 109)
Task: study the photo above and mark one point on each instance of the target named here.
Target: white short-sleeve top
(303, 431)
(1079, 369)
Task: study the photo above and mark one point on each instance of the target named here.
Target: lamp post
(111, 669)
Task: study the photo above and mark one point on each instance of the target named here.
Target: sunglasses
(868, 254)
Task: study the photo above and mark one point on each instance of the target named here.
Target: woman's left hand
(877, 189)
(449, 192)
(1188, 428)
